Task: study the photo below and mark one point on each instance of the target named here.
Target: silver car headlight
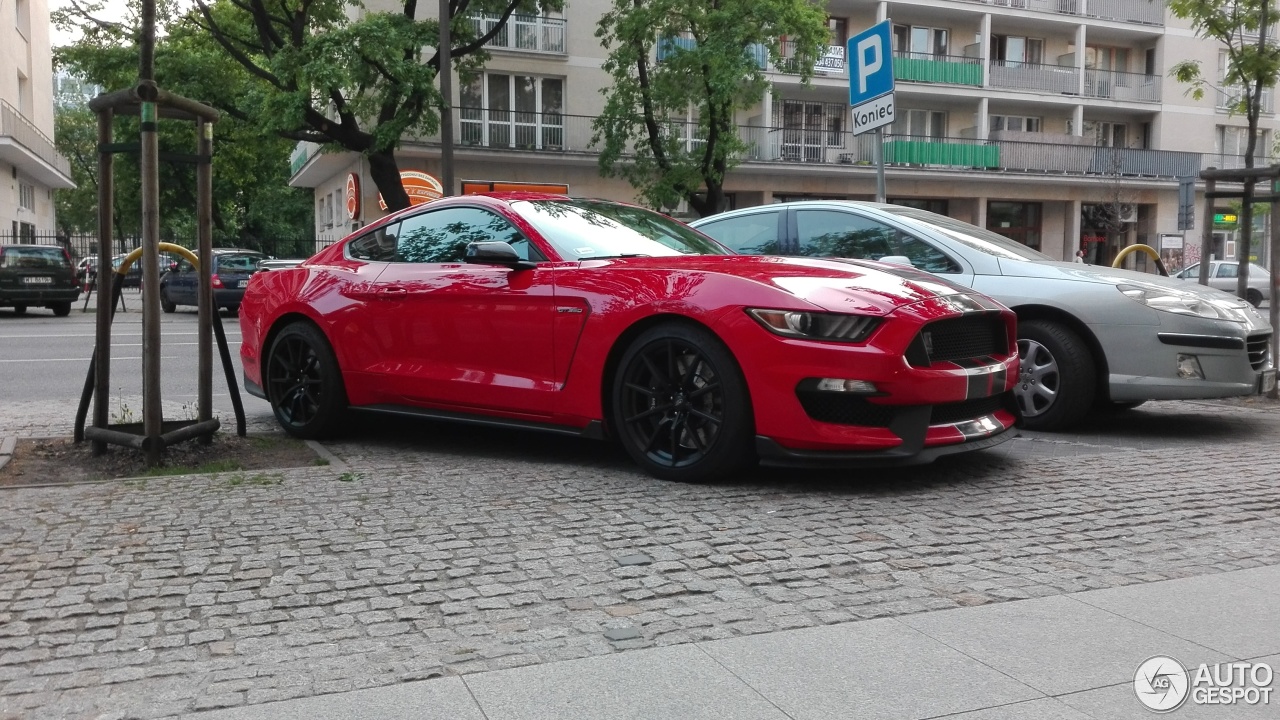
(838, 327)
(1158, 298)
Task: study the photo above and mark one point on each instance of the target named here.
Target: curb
(7, 444)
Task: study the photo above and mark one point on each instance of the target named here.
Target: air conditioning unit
(1128, 213)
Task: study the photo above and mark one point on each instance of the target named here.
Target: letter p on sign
(870, 58)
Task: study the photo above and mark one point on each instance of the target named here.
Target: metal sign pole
(879, 155)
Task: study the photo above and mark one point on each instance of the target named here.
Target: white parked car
(1225, 274)
(1087, 335)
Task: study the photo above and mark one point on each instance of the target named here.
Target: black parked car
(231, 270)
(37, 275)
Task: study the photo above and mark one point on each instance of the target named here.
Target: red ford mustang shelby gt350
(608, 320)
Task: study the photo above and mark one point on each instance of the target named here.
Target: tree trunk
(709, 203)
(386, 176)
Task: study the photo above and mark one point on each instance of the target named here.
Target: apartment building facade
(30, 167)
(1053, 122)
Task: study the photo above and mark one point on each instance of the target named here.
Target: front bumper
(1143, 364)
(911, 452)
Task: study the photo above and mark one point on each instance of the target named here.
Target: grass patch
(259, 479)
(214, 466)
(350, 477)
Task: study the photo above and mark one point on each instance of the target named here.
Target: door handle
(393, 291)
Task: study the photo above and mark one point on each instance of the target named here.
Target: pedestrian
(1079, 256)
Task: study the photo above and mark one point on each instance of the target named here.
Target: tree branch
(220, 37)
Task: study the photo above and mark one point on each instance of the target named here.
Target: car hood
(837, 285)
(1079, 272)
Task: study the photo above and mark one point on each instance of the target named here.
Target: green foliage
(326, 71)
(1253, 59)
(253, 205)
(669, 127)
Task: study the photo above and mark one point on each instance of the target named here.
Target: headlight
(1158, 298)
(816, 326)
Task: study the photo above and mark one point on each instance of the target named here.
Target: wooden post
(204, 303)
(445, 54)
(102, 355)
(152, 407)
(1273, 305)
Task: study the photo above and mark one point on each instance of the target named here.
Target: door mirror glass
(494, 252)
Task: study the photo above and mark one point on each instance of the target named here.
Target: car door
(467, 336)
(1225, 276)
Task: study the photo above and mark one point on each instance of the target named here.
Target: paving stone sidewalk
(444, 551)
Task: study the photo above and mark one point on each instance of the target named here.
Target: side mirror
(897, 260)
(495, 252)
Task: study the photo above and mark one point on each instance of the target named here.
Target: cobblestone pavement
(444, 549)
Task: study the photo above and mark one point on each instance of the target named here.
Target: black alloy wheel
(681, 406)
(303, 382)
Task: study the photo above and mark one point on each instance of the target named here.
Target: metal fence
(532, 33)
(1034, 76)
(1141, 12)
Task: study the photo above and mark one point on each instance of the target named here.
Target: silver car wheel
(1038, 378)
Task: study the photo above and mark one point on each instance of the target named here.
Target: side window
(184, 265)
(1191, 272)
(753, 234)
(830, 233)
(377, 246)
(1227, 270)
(441, 236)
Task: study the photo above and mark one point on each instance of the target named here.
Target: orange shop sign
(420, 187)
(353, 195)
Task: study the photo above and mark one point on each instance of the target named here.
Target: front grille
(949, 413)
(845, 409)
(1259, 348)
(972, 336)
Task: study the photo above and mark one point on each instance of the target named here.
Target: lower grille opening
(949, 413)
(845, 409)
(1259, 347)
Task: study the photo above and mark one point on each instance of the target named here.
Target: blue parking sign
(870, 58)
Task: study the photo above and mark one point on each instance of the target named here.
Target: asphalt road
(44, 358)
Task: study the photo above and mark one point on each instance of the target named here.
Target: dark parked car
(37, 275)
(231, 271)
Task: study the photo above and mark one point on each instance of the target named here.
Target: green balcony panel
(919, 152)
(937, 71)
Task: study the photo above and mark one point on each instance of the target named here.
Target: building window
(1230, 144)
(26, 196)
(936, 206)
(1016, 51)
(1017, 221)
(920, 43)
(808, 127)
(517, 111)
(921, 124)
(1103, 134)
(1015, 123)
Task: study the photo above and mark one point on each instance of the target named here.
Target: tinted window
(1191, 272)
(585, 229)
(752, 234)
(975, 237)
(33, 257)
(1228, 270)
(441, 236)
(377, 245)
(830, 233)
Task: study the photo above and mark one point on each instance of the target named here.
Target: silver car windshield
(973, 236)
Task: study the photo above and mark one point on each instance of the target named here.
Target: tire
(1253, 297)
(304, 383)
(61, 309)
(1056, 377)
(19, 309)
(166, 304)
(680, 406)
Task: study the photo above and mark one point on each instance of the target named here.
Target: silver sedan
(1087, 335)
(1225, 274)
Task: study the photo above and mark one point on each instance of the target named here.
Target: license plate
(1266, 381)
(243, 283)
(38, 280)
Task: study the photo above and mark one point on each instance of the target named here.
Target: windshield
(973, 236)
(587, 229)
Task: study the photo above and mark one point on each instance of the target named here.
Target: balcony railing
(945, 69)
(15, 125)
(1117, 85)
(1229, 98)
(1141, 12)
(531, 33)
(558, 134)
(1032, 76)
